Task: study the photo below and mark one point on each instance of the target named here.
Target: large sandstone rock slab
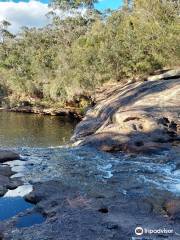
(6, 155)
(136, 117)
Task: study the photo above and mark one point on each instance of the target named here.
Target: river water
(32, 130)
(42, 142)
(28, 132)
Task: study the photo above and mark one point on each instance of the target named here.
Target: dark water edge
(12, 206)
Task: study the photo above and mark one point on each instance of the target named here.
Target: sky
(113, 4)
(32, 13)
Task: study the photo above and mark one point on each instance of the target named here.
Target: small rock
(6, 155)
(13, 184)
(6, 171)
(4, 181)
(32, 198)
(8, 183)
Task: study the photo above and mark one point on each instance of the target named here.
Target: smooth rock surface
(137, 117)
(6, 171)
(8, 183)
(7, 155)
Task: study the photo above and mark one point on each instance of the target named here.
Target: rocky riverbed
(84, 193)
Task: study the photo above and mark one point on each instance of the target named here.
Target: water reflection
(11, 206)
(17, 129)
(30, 220)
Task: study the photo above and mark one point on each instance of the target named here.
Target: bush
(77, 54)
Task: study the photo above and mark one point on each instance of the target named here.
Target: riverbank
(63, 112)
(73, 110)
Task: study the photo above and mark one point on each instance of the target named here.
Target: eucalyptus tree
(74, 4)
(4, 32)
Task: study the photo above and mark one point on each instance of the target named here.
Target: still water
(31, 130)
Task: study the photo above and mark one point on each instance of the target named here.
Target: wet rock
(8, 183)
(33, 198)
(3, 190)
(4, 181)
(2, 228)
(14, 183)
(141, 117)
(6, 155)
(6, 171)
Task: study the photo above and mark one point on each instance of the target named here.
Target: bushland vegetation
(83, 48)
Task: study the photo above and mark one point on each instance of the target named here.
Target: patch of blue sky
(101, 5)
(16, 1)
(109, 4)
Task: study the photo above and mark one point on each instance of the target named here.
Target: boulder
(14, 183)
(6, 155)
(137, 117)
(8, 183)
(6, 171)
(4, 181)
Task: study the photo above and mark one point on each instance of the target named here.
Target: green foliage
(66, 4)
(76, 54)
